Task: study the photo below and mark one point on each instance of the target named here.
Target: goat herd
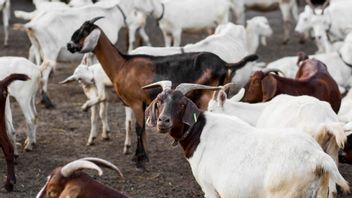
(288, 144)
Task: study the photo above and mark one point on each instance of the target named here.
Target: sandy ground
(63, 131)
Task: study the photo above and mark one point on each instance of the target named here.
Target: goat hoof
(9, 185)
(46, 101)
(85, 109)
(126, 150)
(106, 138)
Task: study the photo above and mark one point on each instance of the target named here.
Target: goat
(48, 25)
(339, 64)
(312, 79)
(287, 7)
(5, 141)
(345, 115)
(230, 158)
(203, 68)
(230, 42)
(330, 23)
(69, 181)
(313, 116)
(94, 81)
(173, 16)
(24, 93)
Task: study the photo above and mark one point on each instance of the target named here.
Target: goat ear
(222, 97)
(91, 41)
(70, 191)
(190, 116)
(269, 87)
(151, 114)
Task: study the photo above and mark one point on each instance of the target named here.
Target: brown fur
(312, 79)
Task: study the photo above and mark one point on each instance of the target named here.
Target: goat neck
(252, 39)
(110, 58)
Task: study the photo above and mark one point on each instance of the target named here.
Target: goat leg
(8, 150)
(140, 156)
(46, 101)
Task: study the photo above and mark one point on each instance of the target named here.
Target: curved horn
(164, 84)
(93, 20)
(103, 163)
(68, 79)
(71, 167)
(184, 88)
(268, 70)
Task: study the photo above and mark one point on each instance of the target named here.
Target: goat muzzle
(73, 47)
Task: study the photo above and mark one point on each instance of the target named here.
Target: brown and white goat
(129, 73)
(69, 181)
(312, 79)
(5, 141)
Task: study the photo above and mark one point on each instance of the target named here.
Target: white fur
(313, 116)
(234, 159)
(288, 8)
(24, 92)
(94, 82)
(336, 19)
(185, 15)
(48, 24)
(336, 67)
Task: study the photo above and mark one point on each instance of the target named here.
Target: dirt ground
(62, 132)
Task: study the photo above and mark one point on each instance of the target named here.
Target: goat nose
(319, 37)
(164, 119)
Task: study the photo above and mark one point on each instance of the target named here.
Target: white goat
(48, 25)
(345, 112)
(24, 92)
(230, 158)
(94, 82)
(329, 25)
(339, 64)
(287, 7)
(230, 42)
(313, 116)
(174, 17)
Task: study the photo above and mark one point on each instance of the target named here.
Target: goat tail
(331, 136)
(330, 167)
(12, 77)
(242, 62)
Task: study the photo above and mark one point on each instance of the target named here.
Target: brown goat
(68, 181)
(5, 142)
(129, 73)
(312, 79)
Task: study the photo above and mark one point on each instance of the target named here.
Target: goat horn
(104, 163)
(95, 19)
(71, 167)
(309, 2)
(164, 84)
(268, 70)
(228, 86)
(68, 79)
(325, 5)
(184, 88)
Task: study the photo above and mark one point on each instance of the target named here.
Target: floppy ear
(151, 114)
(190, 116)
(269, 88)
(90, 42)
